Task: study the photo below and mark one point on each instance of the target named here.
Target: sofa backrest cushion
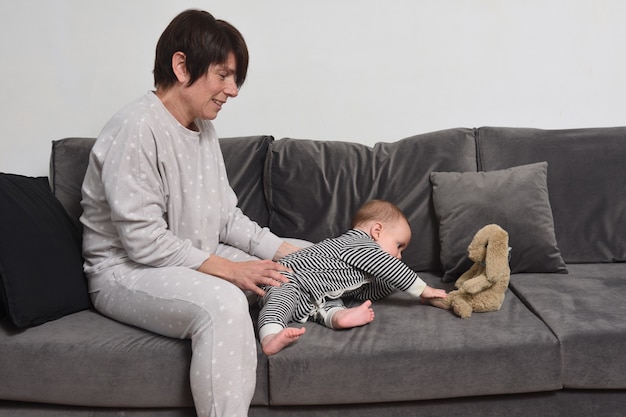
(243, 156)
(68, 162)
(314, 187)
(586, 182)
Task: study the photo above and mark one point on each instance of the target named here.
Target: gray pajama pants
(187, 304)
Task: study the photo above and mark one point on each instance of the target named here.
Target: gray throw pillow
(516, 198)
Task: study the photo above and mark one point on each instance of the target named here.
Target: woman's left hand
(248, 275)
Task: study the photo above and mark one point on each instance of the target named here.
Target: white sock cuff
(270, 328)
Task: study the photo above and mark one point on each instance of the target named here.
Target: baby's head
(386, 224)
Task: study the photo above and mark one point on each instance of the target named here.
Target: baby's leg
(353, 317)
(274, 343)
(278, 305)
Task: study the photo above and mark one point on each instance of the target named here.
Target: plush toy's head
(490, 247)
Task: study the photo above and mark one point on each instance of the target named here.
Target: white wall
(354, 70)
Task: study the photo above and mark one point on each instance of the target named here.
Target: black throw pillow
(41, 275)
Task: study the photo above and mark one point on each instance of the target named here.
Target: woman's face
(205, 98)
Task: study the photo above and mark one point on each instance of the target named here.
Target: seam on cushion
(533, 310)
(479, 161)
(267, 183)
(52, 168)
(267, 139)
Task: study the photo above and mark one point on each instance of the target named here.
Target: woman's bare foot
(274, 343)
(353, 317)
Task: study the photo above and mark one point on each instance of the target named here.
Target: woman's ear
(179, 66)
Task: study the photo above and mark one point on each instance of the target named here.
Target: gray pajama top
(156, 194)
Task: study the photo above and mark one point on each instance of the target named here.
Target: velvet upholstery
(244, 158)
(412, 351)
(68, 163)
(90, 359)
(314, 187)
(101, 361)
(585, 310)
(555, 347)
(586, 180)
(570, 403)
(20, 409)
(515, 198)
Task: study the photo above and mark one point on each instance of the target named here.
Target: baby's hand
(435, 297)
(430, 292)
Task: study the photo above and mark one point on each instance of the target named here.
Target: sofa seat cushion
(315, 187)
(412, 351)
(585, 310)
(86, 359)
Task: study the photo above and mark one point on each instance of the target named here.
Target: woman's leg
(183, 303)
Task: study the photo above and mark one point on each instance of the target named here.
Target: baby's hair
(378, 210)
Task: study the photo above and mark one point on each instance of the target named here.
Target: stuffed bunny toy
(483, 286)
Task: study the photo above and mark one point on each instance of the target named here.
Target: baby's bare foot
(353, 317)
(274, 343)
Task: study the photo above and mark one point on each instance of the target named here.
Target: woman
(165, 246)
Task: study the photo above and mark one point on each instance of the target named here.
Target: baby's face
(394, 238)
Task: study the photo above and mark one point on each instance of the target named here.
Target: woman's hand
(248, 275)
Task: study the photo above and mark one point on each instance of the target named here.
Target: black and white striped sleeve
(388, 272)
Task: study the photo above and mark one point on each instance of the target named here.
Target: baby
(363, 263)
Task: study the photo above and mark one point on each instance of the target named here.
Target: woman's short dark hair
(205, 41)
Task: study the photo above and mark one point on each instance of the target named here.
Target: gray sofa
(556, 348)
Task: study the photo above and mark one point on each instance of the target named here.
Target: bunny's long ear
(497, 257)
